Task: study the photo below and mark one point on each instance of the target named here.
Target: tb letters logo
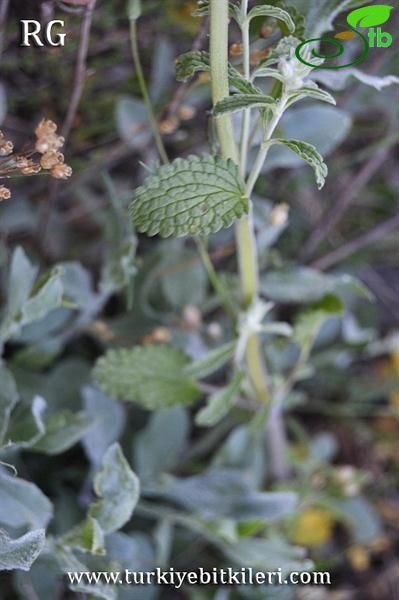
(32, 32)
(369, 16)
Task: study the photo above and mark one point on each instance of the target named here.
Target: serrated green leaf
(192, 62)
(152, 376)
(22, 552)
(308, 153)
(195, 195)
(8, 399)
(118, 489)
(242, 102)
(220, 403)
(189, 63)
(266, 10)
(296, 16)
(211, 362)
(370, 16)
(313, 92)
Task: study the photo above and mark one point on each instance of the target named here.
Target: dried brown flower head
(47, 144)
(5, 193)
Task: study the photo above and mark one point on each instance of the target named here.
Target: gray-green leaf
(191, 62)
(309, 153)
(22, 552)
(86, 536)
(8, 399)
(243, 101)
(211, 362)
(118, 489)
(196, 195)
(22, 503)
(310, 321)
(152, 376)
(63, 430)
(274, 12)
(310, 91)
(220, 403)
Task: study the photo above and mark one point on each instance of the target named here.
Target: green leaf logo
(370, 16)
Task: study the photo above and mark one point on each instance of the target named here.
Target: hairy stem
(144, 92)
(246, 123)
(246, 245)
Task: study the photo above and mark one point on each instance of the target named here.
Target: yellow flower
(313, 528)
(358, 558)
(182, 15)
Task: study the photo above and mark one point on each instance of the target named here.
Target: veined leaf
(243, 101)
(192, 62)
(264, 71)
(274, 12)
(118, 489)
(369, 16)
(311, 155)
(310, 91)
(152, 376)
(220, 403)
(195, 195)
(296, 16)
(189, 63)
(22, 552)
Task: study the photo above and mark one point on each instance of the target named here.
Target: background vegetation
(77, 280)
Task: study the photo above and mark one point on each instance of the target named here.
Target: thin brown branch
(81, 69)
(363, 241)
(182, 89)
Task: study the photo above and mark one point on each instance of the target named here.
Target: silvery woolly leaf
(22, 552)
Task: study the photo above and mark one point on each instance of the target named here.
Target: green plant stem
(246, 123)
(265, 146)
(144, 92)
(215, 280)
(246, 244)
